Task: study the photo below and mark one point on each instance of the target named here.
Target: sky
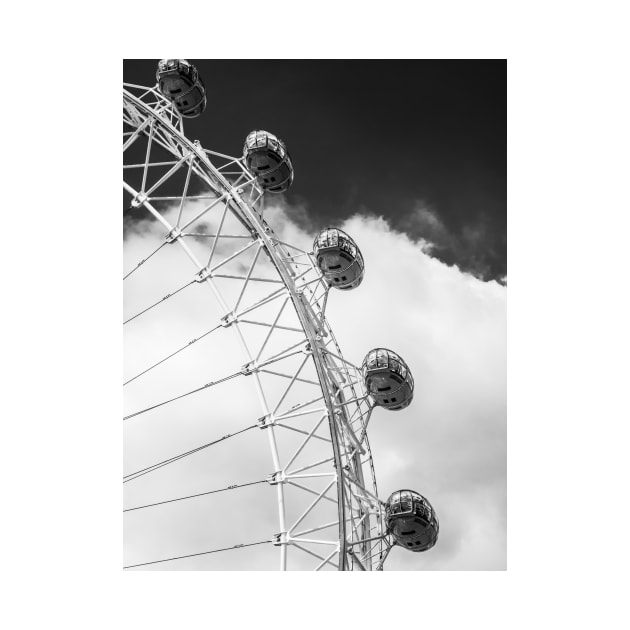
(419, 142)
(447, 320)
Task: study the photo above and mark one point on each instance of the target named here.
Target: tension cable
(243, 371)
(142, 564)
(148, 469)
(168, 295)
(201, 494)
(155, 251)
(173, 354)
(192, 391)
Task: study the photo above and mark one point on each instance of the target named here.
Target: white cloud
(471, 247)
(450, 444)
(423, 220)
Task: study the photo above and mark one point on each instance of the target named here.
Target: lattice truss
(239, 321)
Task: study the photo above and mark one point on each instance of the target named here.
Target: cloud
(449, 445)
(471, 249)
(424, 222)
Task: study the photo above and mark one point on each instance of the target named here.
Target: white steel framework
(272, 297)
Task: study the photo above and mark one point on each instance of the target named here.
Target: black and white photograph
(315, 305)
(312, 367)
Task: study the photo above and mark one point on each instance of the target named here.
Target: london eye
(239, 402)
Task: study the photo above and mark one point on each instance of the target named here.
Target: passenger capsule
(180, 82)
(388, 379)
(411, 520)
(267, 158)
(339, 259)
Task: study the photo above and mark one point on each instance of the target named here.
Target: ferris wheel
(239, 352)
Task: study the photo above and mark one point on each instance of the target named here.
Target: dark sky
(384, 137)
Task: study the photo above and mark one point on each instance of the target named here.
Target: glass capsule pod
(180, 82)
(411, 520)
(339, 259)
(266, 156)
(388, 379)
